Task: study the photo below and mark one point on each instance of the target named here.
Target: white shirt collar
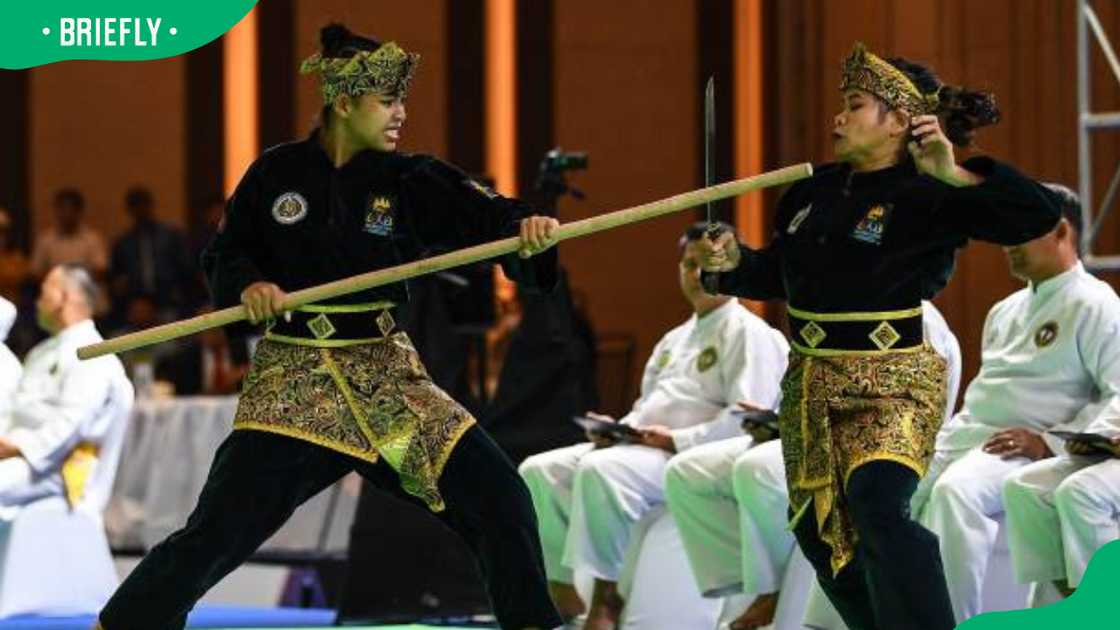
(715, 314)
(1049, 286)
(76, 332)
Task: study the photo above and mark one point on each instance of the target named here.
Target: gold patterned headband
(865, 71)
(387, 70)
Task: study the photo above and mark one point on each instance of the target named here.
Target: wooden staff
(360, 282)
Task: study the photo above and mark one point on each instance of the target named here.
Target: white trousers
(730, 503)
(961, 501)
(1059, 512)
(587, 501)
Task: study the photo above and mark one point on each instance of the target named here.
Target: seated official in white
(1061, 510)
(1048, 350)
(62, 406)
(589, 496)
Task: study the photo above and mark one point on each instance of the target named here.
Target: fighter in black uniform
(856, 249)
(333, 386)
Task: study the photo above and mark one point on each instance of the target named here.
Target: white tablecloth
(168, 449)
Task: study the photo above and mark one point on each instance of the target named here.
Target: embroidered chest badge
(379, 215)
(707, 359)
(289, 208)
(798, 218)
(1046, 334)
(871, 227)
(485, 190)
(663, 359)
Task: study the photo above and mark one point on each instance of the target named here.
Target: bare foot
(600, 622)
(606, 607)
(567, 600)
(760, 613)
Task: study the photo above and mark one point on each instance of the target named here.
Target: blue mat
(201, 617)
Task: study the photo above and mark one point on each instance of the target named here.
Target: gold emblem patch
(1046, 334)
(321, 326)
(884, 336)
(385, 323)
(707, 359)
(663, 359)
(813, 334)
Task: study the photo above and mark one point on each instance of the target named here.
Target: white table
(168, 448)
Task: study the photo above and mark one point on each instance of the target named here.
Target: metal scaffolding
(1093, 216)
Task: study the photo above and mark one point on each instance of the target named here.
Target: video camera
(557, 161)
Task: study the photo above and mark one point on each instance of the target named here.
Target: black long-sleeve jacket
(297, 221)
(885, 240)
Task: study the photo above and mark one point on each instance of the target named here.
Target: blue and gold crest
(870, 229)
(379, 215)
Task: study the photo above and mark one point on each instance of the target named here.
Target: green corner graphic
(1089, 607)
(38, 33)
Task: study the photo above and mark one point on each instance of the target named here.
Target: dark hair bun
(965, 111)
(339, 41)
(334, 37)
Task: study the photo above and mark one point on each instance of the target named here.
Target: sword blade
(710, 138)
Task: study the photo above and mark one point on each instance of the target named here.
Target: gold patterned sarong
(840, 412)
(369, 401)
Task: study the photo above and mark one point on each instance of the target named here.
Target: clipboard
(763, 418)
(1098, 442)
(615, 430)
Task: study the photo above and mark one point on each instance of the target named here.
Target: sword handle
(711, 281)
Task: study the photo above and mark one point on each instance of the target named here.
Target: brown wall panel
(625, 91)
(277, 75)
(102, 127)
(204, 168)
(1023, 50)
(15, 137)
(418, 26)
(465, 76)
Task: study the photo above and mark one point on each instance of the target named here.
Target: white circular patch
(289, 208)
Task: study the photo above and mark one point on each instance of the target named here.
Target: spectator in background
(151, 260)
(13, 262)
(210, 210)
(209, 215)
(140, 314)
(203, 365)
(17, 286)
(68, 241)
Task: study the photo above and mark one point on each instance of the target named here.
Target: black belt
(828, 333)
(334, 325)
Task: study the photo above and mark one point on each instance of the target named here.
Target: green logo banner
(1091, 606)
(38, 33)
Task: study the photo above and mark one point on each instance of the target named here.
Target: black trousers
(258, 479)
(896, 581)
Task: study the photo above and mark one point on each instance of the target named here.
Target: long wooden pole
(591, 225)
